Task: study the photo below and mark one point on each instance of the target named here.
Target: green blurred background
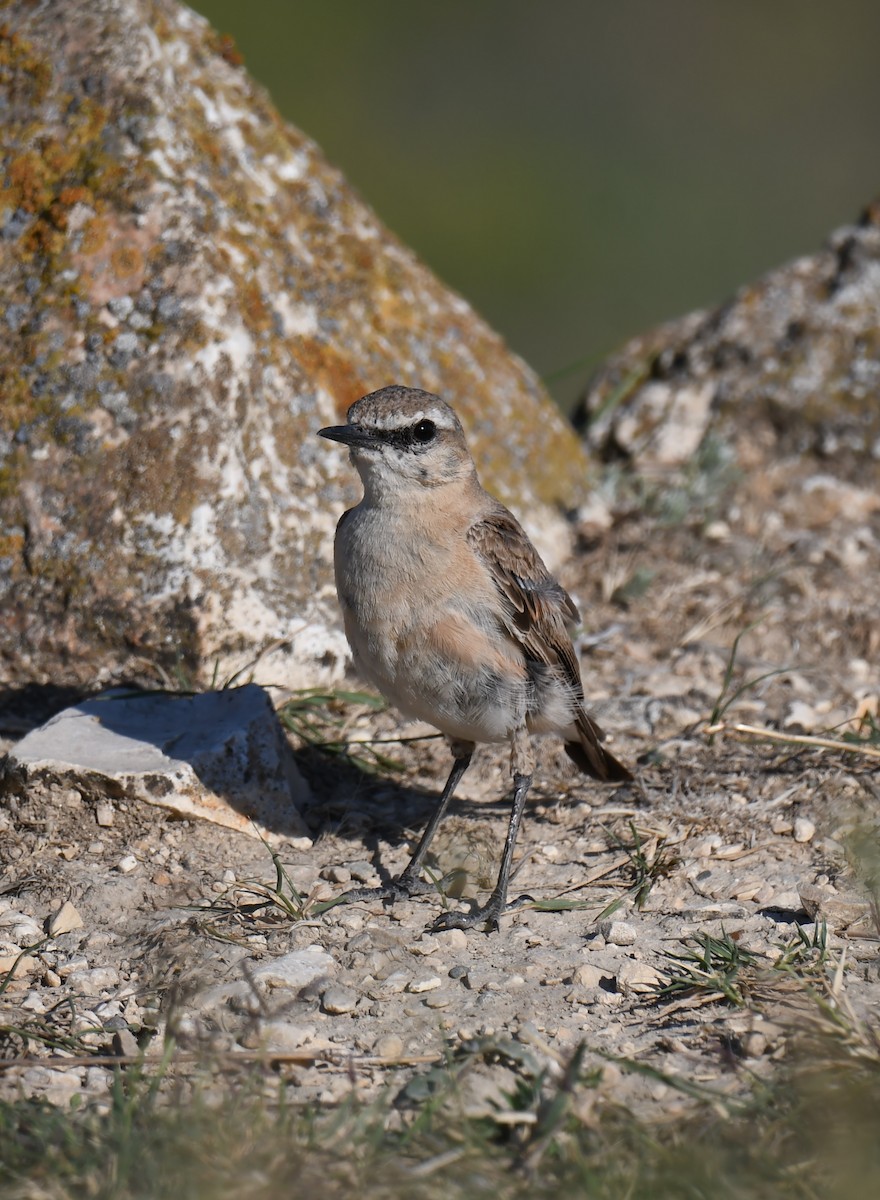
(582, 171)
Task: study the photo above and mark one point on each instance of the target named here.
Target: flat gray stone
(297, 969)
(221, 756)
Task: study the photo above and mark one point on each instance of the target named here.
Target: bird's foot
(404, 887)
(488, 915)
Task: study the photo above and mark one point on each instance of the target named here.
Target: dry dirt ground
(731, 836)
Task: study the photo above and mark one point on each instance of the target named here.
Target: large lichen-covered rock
(188, 291)
(792, 364)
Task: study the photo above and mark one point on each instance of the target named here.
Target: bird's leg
(408, 883)
(522, 761)
(489, 914)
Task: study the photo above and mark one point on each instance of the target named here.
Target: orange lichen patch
(94, 236)
(254, 310)
(24, 72)
(337, 375)
(208, 145)
(126, 260)
(224, 45)
(112, 257)
(28, 183)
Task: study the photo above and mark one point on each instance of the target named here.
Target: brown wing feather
(538, 614)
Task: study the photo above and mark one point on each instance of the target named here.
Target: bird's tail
(591, 756)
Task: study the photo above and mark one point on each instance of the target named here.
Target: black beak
(349, 435)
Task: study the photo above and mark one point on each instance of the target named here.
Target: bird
(451, 613)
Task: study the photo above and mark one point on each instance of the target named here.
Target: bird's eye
(424, 431)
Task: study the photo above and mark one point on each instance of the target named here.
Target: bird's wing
(537, 610)
(537, 613)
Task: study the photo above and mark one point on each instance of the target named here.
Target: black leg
(489, 914)
(408, 882)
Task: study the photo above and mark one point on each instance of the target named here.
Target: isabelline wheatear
(451, 613)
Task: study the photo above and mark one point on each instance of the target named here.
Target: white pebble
(804, 829)
(424, 985)
(127, 864)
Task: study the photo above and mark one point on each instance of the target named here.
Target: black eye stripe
(413, 437)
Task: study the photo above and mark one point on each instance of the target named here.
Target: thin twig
(798, 739)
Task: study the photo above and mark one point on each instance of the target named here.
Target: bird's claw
(488, 916)
(404, 887)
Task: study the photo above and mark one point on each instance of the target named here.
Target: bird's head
(403, 439)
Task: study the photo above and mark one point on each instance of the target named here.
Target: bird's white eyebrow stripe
(397, 420)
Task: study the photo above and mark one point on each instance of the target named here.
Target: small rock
(338, 1000)
(428, 943)
(451, 939)
(79, 963)
(840, 911)
(282, 1037)
(127, 864)
(363, 872)
(804, 829)
(636, 978)
(754, 1044)
(66, 919)
(161, 879)
(438, 1000)
(295, 970)
(51, 978)
(104, 814)
(389, 1046)
(424, 985)
(619, 933)
(337, 874)
(391, 985)
(587, 976)
(94, 980)
(57, 1087)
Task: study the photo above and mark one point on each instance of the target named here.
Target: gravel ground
(123, 924)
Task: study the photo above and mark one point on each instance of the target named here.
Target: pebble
(424, 985)
(56, 1086)
(391, 985)
(279, 1036)
(51, 978)
(337, 874)
(804, 829)
(428, 943)
(66, 919)
(25, 931)
(619, 933)
(126, 864)
(754, 1044)
(587, 976)
(338, 1000)
(363, 872)
(125, 1044)
(70, 965)
(295, 970)
(451, 939)
(94, 980)
(438, 999)
(635, 978)
(104, 814)
(389, 1046)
